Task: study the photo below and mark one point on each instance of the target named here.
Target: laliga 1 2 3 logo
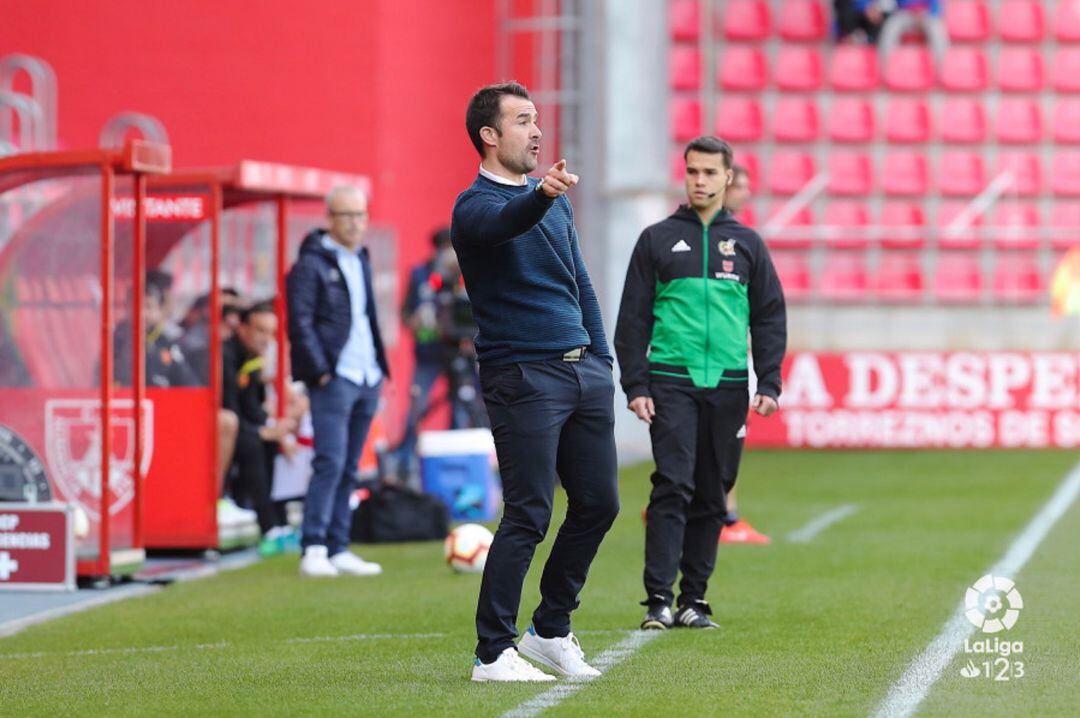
(73, 449)
(993, 604)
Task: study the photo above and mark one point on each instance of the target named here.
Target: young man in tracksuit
(545, 373)
(698, 282)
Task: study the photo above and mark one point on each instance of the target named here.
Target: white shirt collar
(332, 244)
(500, 180)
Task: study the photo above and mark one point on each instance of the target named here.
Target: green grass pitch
(817, 629)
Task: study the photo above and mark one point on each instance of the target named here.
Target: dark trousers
(550, 418)
(341, 414)
(254, 460)
(697, 444)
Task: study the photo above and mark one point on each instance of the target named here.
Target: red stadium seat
(1021, 21)
(907, 120)
(795, 119)
(685, 119)
(742, 68)
(797, 232)
(790, 171)
(1065, 225)
(1019, 121)
(1026, 168)
(1067, 120)
(961, 173)
(802, 20)
(684, 20)
(965, 70)
(1020, 69)
(677, 166)
(958, 277)
(844, 277)
(745, 20)
(749, 162)
(905, 173)
(851, 119)
(957, 238)
(1066, 69)
(909, 69)
(1018, 279)
(1016, 226)
(1066, 173)
(1067, 21)
(799, 68)
(899, 277)
(903, 225)
(739, 119)
(964, 120)
(853, 68)
(794, 272)
(851, 173)
(684, 68)
(846, 222)
(967, 20)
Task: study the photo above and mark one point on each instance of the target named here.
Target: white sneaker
(509, 666)
(350, 563)
(561, 654)
(315, 564)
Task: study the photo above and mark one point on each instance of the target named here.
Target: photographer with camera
(438, 312)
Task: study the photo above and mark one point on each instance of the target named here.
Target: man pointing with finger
(698, 282)
(545, 372)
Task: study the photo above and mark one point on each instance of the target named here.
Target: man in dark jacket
(243, 393)
(337, 351)
(698, 282)
(545, 371)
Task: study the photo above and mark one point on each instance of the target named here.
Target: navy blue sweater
(530, 291)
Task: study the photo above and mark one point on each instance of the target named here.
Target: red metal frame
(243, 183)
(136, 158)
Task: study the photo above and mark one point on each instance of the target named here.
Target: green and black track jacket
(692, 292)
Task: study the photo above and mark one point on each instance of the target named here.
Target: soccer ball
(466, 548)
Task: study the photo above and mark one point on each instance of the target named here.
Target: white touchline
(366, 637)
(912, 687)
(221, 644)
(819, 523)
(567, 687)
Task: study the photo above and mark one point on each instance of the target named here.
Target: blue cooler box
(459, 467)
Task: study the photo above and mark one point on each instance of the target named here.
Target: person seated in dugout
(166, 365)
(259, 437)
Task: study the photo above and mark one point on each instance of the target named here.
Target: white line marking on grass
(107, 651)
(10, 628)
(366, 637)
(221, 644)
(923, 672)
(568, 687)
(819, 523)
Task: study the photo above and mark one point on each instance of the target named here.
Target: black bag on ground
(393, 513)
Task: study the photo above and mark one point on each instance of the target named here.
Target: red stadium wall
(376, 87)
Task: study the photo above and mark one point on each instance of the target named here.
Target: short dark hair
(484, 109)
(231, 292)
(711, 145)
(441, 238)
(262, 307)
(739, 171)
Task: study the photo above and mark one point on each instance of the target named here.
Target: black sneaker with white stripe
(694, 615)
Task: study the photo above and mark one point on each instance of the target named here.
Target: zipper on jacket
(705, 285)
